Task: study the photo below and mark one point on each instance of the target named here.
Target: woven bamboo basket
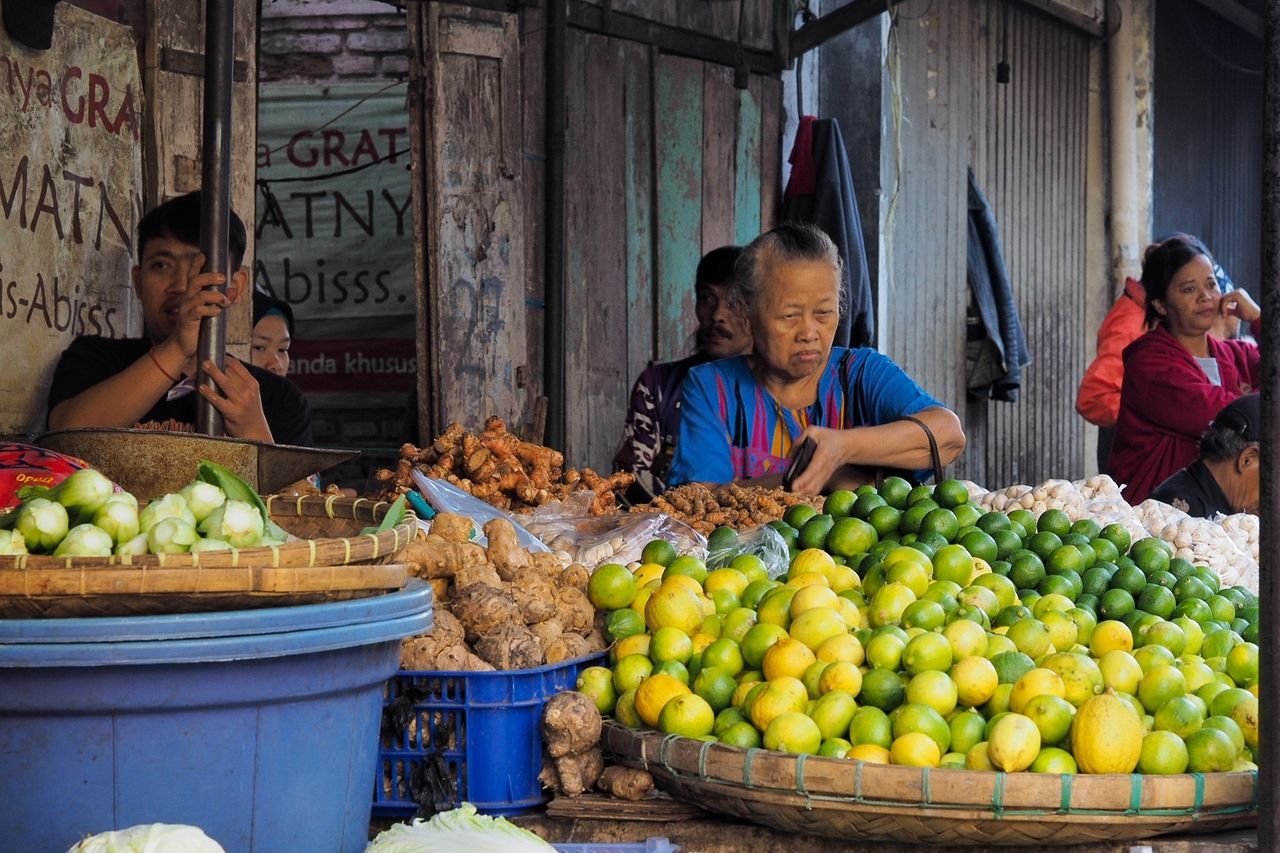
(855, 800)
(330, 561)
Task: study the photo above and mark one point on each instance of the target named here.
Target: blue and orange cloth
(731, 428)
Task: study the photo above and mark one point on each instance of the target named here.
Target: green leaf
(394, 517)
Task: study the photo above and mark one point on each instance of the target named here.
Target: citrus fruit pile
(914, 628)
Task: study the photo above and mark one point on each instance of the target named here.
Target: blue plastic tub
(487, 728)
(653, 845)
(259, 726)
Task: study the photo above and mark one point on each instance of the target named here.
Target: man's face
(160, 281)
(721, 330)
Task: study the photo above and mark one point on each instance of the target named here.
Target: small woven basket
(847, 799)
(330, 561)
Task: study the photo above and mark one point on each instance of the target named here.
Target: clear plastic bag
(763, 542)
(446, 497)
(595, 539)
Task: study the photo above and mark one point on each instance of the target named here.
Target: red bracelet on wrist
(152, 352)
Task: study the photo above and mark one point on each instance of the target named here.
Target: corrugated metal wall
(1208, 135)
(1027, 144)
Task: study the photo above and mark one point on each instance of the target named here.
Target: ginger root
(535, 595)
(452, 527)
(571, 723)
(459, 658)
(510, 647)
(627, 783)
(547, 631)
(578, 772)
(504, 550)
(484, 610)
(574, 610)
(445, 624)
(566, 647)
(575, 576)
(480, 574)
(436, 557)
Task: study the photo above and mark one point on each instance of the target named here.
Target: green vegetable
(395, 514)
(135, 547)
(42, 524)
(236, 522)
(119, 518)
(203, 498)
(459, 829)
(237, 489)
(150, 838)
(171, 536)
(85, 540)
(169, 506)
(12, 543)
(83, 493)
(210, 545)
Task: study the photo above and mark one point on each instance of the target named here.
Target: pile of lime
(912, 627)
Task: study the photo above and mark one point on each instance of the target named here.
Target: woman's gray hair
(790, 241)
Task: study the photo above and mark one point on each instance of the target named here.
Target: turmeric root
(570, 723)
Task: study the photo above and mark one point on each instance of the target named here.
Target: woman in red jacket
(1178, 376)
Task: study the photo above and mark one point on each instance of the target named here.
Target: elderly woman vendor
(743, 416)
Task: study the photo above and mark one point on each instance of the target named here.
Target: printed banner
(339, 366)
(334, 218)
(70, 198)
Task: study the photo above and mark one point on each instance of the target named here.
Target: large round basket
(855, 800)
(331, 560)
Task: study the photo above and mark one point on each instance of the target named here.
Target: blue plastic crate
(486, 727)
(653, 845)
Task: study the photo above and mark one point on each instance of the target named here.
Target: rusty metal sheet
(149, 463)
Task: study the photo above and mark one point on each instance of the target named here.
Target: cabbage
(150, 838)
(85, 540)
(460, 829)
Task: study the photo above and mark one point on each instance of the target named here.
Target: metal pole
(215, 195)
(553, 326)
(1269, 512)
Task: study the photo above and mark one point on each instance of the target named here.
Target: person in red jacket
(1098, 398)
(1178, 376)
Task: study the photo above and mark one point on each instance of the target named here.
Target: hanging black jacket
(820, 191)
(995, 345)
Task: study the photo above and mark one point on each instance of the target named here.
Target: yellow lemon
(787, 657)
(1109, 636)
(1035, 682)
(870, 753)
(811, 596)
(1106, 735)
(1014, 743)
(811, 561)
(673, 605)
(976, 680)
(815, 626)
(840, 675)
(915, 749)
(649, 572)
(842, 647)
(654, 693)
(777, 696)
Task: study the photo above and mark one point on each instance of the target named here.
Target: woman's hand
(1240, 304)
(238, 400)
(830, 454)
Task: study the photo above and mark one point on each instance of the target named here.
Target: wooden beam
(672, 40)
(823, 29)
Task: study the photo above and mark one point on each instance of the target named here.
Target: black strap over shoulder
(934, 455)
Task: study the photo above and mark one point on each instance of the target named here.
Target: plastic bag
(446, 497)
(23, 465)
(595, 539)
(763, 542)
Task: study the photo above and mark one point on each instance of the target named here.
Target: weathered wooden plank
(174, 118)
(579, 188)
(747, 171)
(724, 19)
(477, 289)
(757, 23)
(770, 150)
(637, 70)
(719, 128)
(532, 169)
(422, 157)
(604, 287)
(678, 117)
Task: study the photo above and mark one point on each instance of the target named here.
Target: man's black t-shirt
(90, 360)
(1194, 491)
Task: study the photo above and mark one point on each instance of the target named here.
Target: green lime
(1057, 585)
(1115, 604)
(1132, 581)
(1156, 599)
(1026, 569)
(1088, 602)
(1193, 608)
(1087, 528)
(1054, 521)
(942, 521)
(885, 519)
(913, 516)
(849, 536)
(1151, 554)
(797, 515)
(1024, 518)
(921, 493)
(981, 545)
(1010, 666)
(1191, 587)
(1164, 579)
(1180, 568)
(864, 505)
(1209, 578)
(840, 503)
(814, 533)
(990, 522)
(1116, 534)
(1104, 550)
(1007, 543)
(1044, 543)
(895, 490)
(1067, 558)
(951, 494)
(722, 539)
(1095, 580)
(658, 551)
(881, 688)
(968, 514)
(1001, 567)
(1010, 615)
